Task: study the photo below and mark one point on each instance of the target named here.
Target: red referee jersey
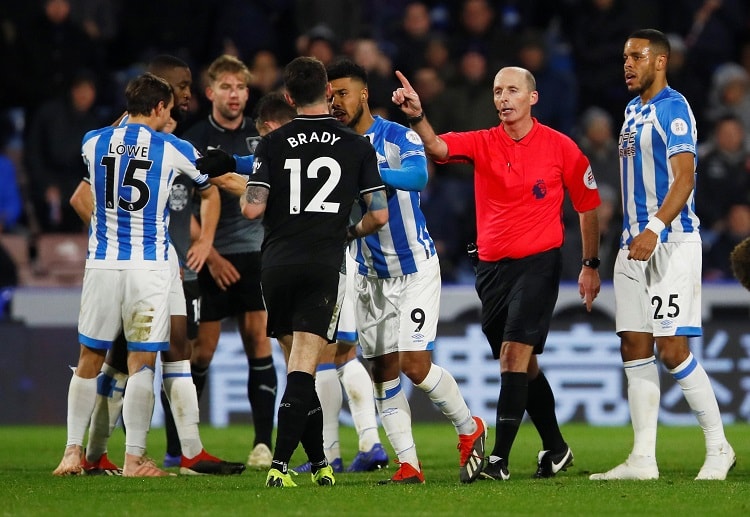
(519, 187)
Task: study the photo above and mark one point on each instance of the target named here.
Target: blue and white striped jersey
(398, 247)
(650, 135)
(131, 169)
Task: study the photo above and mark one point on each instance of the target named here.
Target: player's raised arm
(407, 99)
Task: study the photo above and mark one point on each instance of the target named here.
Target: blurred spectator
(11, 203)
(53, 152)
(685, 80)
(598, 34)
(471, 96)
(98, 18)
(723, 175)
(265, 77)
(319, 42)
(266, 72)
(431, 90)
(597, 141)
(479, 30)
(730, 94)
(438, 57)
(342, 17)
(380, 78)
(51, 47)
(241, 28)
(716, 264)
(558, 89)
(711, 29)
(409, 41)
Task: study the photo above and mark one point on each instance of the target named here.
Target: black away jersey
(315, 168)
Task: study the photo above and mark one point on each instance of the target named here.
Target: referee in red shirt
(521, 171)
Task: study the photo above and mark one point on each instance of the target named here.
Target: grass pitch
(29, 454)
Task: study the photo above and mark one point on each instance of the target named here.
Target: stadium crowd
(67, 61)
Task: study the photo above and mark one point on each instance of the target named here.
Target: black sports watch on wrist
(593, 262)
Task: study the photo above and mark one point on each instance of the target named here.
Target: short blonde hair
(226, 64)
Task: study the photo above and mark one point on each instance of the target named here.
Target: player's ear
(289, 100)
(661, 62)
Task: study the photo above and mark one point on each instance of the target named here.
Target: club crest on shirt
(252, 142)
(679, 127)
(539, 189)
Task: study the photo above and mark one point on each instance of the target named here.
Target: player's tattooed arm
(374, 218)
(377, 200)
(253, 203)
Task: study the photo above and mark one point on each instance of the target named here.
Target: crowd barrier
(581, 360)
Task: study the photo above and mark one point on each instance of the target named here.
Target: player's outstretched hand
(215, 163)
(740, 260)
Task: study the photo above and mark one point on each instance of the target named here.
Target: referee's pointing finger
(404, 81)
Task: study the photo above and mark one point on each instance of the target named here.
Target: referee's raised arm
(407, 99)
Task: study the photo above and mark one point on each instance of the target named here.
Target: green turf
(29, 454)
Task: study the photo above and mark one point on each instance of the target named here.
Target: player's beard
(644, 84)
(356, 118)
(178, 114)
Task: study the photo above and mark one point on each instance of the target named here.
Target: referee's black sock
(261, 392)
(511, 405)
(293, 414)
(541, 409)
(312, 437)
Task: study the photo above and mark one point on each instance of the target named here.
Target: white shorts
(398, 314)
(661, 296)
(347, 329)
(177, 303)
(131, 300)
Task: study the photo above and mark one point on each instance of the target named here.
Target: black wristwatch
(593, 262)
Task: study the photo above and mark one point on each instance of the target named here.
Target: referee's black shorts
(302, 298)
(241, 297)
(518, 297)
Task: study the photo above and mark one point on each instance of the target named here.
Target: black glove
(215, 163)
